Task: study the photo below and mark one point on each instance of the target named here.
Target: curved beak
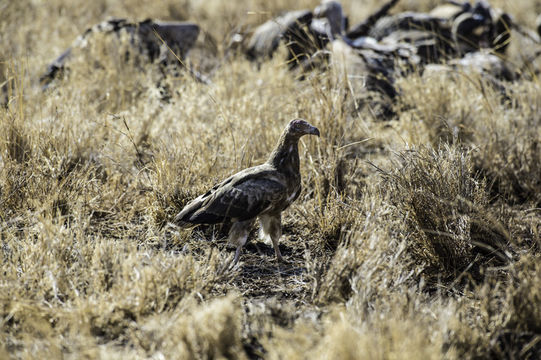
(314, 131)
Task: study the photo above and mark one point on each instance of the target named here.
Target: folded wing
(235, 198)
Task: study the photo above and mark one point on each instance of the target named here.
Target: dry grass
(413, 238)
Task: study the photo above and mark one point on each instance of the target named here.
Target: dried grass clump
(67, 288)
(106, 66)
(397, 325)
(429, 102)
(505, 133)
(524, 296)
(446, 209)
(500, 319)
(206, 331)
(510, 151)
(371, 259)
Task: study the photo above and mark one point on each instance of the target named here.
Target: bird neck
(285, 156)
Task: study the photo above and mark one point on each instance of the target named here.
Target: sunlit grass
(413, 238)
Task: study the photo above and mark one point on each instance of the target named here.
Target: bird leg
(271, 225)
(237, 255)
(238, 236)
(277, 251)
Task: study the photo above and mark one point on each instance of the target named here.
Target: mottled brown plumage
(262, 192)
(266, 37)
(155, 40)
(303, 32)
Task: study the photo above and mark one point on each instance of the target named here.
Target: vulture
(448, 31)
(490, 68)
(266, 37)
(262, 192)
(145, 38)
(304, 33)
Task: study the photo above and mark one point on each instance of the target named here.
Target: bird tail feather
(184, 216)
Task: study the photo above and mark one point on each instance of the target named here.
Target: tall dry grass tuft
(505, 314)
(368, 257)
(445, 206)
(504, 132)
(524, 296)
(211, 330)
(509, 149)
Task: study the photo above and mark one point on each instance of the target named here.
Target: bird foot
(282, 261)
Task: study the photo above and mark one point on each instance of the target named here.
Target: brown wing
(180, 37)
(238, 197)
(267, 36)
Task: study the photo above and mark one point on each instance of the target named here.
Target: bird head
(300, 127)
(332, 11)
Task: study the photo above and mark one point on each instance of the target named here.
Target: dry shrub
(17, 144)
(506, 134)
(500, 319)
(524, 296)
(394, 326)
(509, 149)
(330, 210)
(111, 61)
(372, 257)
(65, 287)
(446, 209)
(430, 102)
(208, 331)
